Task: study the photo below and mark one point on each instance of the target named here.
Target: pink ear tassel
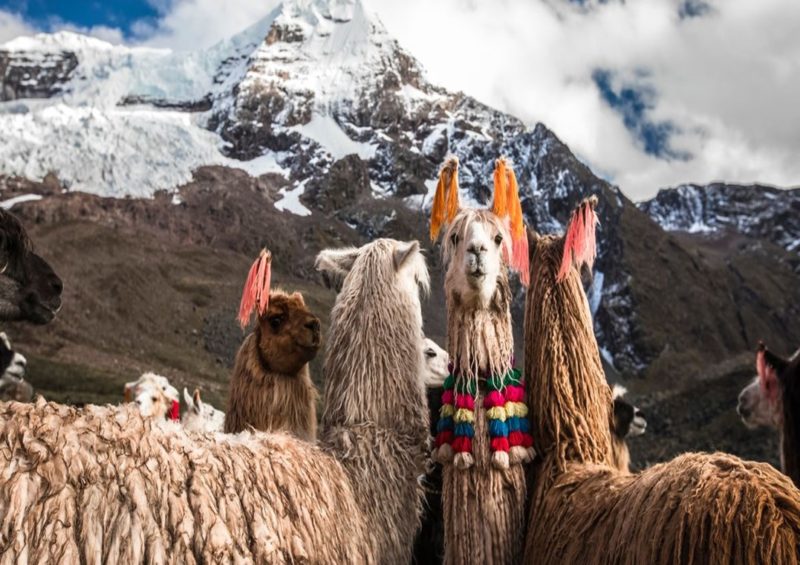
(255, 294)
(580, 243)
(519, 259)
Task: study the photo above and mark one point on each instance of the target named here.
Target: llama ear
(299, 296)
(198, 404)
(404, 251)
(334, 264)
(766, 360)
(618, 391)
(445, 201)
(580, 247)
(187, 398)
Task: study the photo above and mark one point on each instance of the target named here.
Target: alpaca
(106, 484)
(13, 364)
(200, 416)
(481, 434)
(697, 508)
(29, 288)
(629, 421)
(773, 399)
(154, 396)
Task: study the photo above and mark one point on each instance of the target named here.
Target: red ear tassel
(255, 295)
(580, 246)
(175, 411)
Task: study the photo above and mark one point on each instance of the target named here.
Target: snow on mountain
(757, 211)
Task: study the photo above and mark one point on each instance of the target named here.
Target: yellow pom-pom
(464, 415)
(446, 410)
(497, 413)
(516, 409)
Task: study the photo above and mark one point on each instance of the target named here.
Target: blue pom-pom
(524, 425)
(464, 429)
(498, 428)
(513, 424)
(444, 424)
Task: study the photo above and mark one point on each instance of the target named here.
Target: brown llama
(697, 508)
(484, 488)
(271, 388)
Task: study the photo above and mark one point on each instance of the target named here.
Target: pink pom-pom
(494, 398)
(515, 393)
(447, 397)
(465, 401)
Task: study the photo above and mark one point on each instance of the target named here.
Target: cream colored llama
(481, 438)
(200, 416)
(107, 485)
(697, 508)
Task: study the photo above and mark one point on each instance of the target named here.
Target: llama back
(104, 483)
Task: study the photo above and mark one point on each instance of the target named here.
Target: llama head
(288, 334)
(477, 244)
(761, 402)
(29, 288)
(154, 395)
(629, 421)
(562, 359)
(436, 361)
(13, 366)
(200, 416)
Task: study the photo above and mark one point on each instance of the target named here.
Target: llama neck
(569, 399)
(480, 339)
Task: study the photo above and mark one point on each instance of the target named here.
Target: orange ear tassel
(445, 202)
(506, 204)
(580, 247)
(500, 203)
(255, 295)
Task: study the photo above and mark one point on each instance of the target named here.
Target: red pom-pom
(445, 436)
(527, 440)
(499, 444)
(515, 393)
(462, 444)
(515, 438)
(465, 401)
(494, 398)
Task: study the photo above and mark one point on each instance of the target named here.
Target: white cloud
(12, 25)
(728, 80)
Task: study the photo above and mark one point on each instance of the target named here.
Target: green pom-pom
(467, 385)
(495, 382)
(513, 377)
(449, 382)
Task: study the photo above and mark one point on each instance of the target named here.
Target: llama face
(153, 394)
(629, 421)
(474, 246)
(436, 361)
(199, 416)
(755, 409)
(29, 289)
(289, 336)
(13, 366)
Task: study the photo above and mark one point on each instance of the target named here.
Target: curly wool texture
(104, 484)
(697, 508)
(484, 507)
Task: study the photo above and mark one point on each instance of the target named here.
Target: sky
(649, 93)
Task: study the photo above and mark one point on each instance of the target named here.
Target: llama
(436, 361)
(482, 433)
(154, 396)
(200, 416)
(271, 387)
(697, 508)
(29, 288)
(772, 400)
(629, 421)
(106, 484)
(12, 364)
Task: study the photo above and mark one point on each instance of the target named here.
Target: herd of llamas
(421, 454)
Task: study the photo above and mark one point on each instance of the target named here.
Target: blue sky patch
(83, 13)
(633, 103)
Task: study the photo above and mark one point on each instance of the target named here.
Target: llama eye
(498, 239)
(275, 322)
(153, 398)
(430, 353)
